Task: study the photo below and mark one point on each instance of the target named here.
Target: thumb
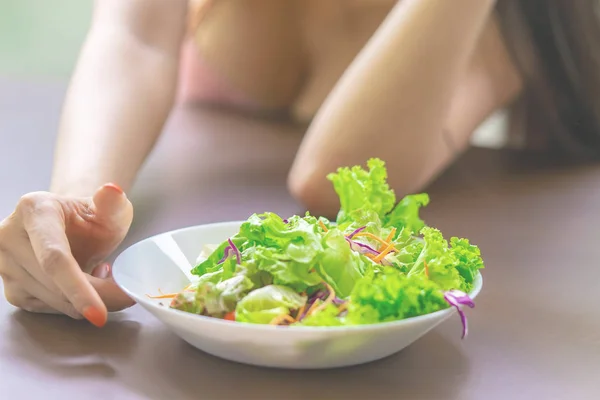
(111, 204)
(108, 290)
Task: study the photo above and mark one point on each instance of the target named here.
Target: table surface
(535, 332)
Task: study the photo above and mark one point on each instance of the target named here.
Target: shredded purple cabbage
(320, 294)
(309, 304)
(350, 236)
(361, 247)
(225, 255)
(235, 251)
(337, 301)
(457, 299)
(229, 250)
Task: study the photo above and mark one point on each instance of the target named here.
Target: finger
(111, 203)
(43, 307)
(44, 225)
(52, 301)
(22, 287)
(18, 249)
(48, 303)
(112, 296)
(37, 306)
(23, 255)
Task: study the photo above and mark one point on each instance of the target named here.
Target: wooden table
(535, 332)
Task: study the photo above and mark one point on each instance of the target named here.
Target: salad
(377, 262)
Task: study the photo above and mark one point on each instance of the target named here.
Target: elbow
(314, 193)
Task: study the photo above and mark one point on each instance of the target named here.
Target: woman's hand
(52, 248)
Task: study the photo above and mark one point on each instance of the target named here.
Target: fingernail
(94, 315)
(102, 271)
(115, 187)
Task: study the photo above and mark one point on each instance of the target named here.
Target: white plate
(164, 261)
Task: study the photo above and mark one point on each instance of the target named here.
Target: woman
(416, 75)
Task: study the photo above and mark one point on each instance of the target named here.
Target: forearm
(393, 100)
(118, 101)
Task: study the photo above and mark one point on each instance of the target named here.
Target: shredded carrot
(426, 269)
(312, 308)
(343, 307)
(368, 234)
(384, 252)
(323, 226)
(301, 310)
(281, 318)
(163, 296)
(388, 239)
(391, 235)
(327, 301)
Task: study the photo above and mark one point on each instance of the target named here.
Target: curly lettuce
(377, 262)
(389, 296)
(363, 189)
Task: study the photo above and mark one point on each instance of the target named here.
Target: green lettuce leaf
(367, 218)
(211, 264)
(450, 267)
(358, 188)
(339, 265)
(325, 317)
(469, 260)
(406, 213)
(287, 251)
(299, 238)
(186, 301)
(391, 295)
(283, 268)
(409, 250)
(260, 306)
(214, 299)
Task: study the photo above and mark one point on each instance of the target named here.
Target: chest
(288, 53)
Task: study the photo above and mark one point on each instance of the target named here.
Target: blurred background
(40, 39)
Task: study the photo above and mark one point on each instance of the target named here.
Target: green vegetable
(214, 299)
(450, 267)
(284, 269)
(304, 268)
(326, 317)
(339, 265)
(469, 261)
(389, 296)
(406, 213)
(360, 189)
(186, 301)
(211, 264)
(262, 305)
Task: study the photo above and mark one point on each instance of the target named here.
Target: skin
(52, 246)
